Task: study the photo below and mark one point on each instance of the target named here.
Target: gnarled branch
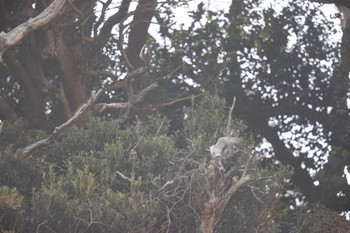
(76, 116)
(17, 34)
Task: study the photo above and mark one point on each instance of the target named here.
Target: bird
(218, 148)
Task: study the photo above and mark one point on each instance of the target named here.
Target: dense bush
(105, 177)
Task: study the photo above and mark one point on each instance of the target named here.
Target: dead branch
(17, 34)
(169, 74)
(141, 95)
(76, 116)
(103, 106)
(133, 99)
(222, 202)
(133, 182)
(169, 182)
(229, 119)
(137, 72)
(124, 177)
(153, 108)
(217, 201)
(80, 111)
(100, 73)
(178, 100)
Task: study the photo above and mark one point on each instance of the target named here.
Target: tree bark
(139, 31)
(220, 196)
(17, 34)
(72, 80)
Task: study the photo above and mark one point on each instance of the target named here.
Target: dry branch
(102, 106)
(79, 112)
(76, 116)
(124, 177)
(17, 34)
(229, 119)
(218, 199)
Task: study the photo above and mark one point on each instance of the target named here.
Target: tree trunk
(139, 30)
(74, 89)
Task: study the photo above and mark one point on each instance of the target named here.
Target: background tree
(288, 89)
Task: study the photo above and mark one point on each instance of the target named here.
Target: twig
(159, 128)
(178, 100)
(252, 189)
(171, 182)
(124, 177)
(229, 119)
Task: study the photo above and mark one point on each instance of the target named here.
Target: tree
(291, 85)
(92, 61)
(56, 66)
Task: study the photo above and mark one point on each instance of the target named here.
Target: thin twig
(229, 118)
(124, 177)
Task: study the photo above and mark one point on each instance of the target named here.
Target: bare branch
(124, 177)
(76, 116)
(141, 95)
(17, 34)
(233, 189)
(178, 100)
(169, 182)
(133, 100)
(229, 119)
(102, 106)
(100, 73)
(137, 72)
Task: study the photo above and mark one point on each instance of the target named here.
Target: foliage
(140, 166)
(288, 90)
(80, 188)
(10, 198)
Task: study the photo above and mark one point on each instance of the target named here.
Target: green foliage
(205, 120)
(10, 198)
(139, 178)
(313, 218)
(82, 190)
(78, 201)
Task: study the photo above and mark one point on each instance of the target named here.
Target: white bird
(217, 150)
